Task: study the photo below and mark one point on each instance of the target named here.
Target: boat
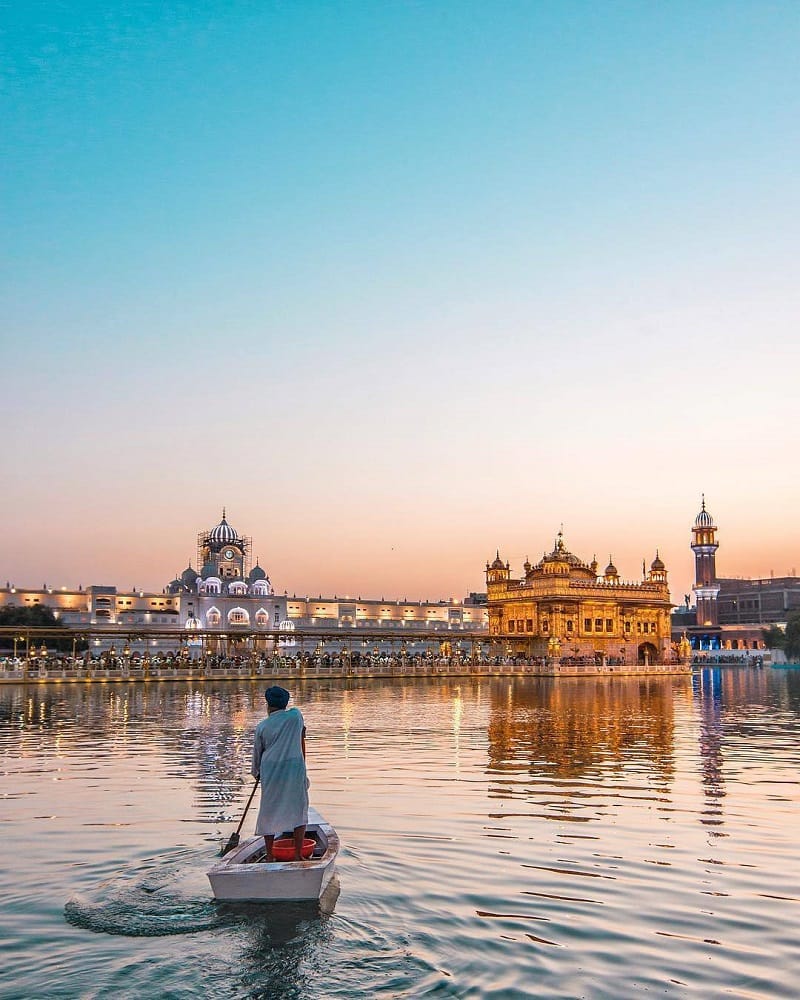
(242, 874)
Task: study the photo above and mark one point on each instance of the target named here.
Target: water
(514, 837)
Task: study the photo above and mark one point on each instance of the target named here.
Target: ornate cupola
(562, 562)
(559, 560)
(706, 588)
(256, 573)
(498, 572)
(611, 574)
(185, 582)
(658, 571)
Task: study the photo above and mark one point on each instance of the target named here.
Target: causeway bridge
(110, 654)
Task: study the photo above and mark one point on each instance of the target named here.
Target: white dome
(223, 534)
(704, 519)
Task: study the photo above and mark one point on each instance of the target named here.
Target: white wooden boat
(243, 874)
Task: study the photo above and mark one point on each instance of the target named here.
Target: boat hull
(239, 876)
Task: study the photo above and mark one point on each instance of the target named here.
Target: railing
(54, 671)
(737, 658)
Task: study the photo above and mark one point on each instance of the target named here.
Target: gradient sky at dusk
(399, 284)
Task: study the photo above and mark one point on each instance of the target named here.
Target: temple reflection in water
(527, 732)
(579, 730)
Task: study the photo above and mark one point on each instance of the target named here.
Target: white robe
(278, 759)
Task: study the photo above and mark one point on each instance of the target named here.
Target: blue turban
(277, 697)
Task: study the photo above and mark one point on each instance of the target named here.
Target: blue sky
(379, 277)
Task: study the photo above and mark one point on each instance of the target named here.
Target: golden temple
(563, 608)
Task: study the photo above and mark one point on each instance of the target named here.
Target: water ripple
(474, 816)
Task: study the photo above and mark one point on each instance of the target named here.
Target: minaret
(706, 588)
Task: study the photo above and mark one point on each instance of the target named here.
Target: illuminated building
(229, 595)
(562, 607)
(730, 613)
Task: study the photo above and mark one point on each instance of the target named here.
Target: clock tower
(223, 552)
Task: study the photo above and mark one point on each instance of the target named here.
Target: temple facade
(564, 608)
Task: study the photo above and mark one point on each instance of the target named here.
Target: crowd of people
(192, 662)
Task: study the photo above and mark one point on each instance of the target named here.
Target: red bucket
(283, 850)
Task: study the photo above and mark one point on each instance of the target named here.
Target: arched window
(262, 617)
(213, 617)
(238, 616)
(213, 585)
(238, 587)
(287, 627)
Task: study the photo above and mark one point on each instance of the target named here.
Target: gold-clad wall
(562, 608)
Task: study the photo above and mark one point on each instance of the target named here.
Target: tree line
(788, 640)
(38, 616)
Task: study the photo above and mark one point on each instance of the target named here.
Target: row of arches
(238, 588)
(237, 616)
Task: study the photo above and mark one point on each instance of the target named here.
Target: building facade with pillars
(234, 600)
(562, 607)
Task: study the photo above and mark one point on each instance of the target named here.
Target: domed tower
(185, 583)
(497, 580)
(498, 572)
(658, 571)
(224, 551)
(256, 574)
(611, 574)
(706, 588)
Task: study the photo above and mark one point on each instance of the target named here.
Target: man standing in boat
(279, 760)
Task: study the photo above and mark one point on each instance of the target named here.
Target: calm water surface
(501, 838)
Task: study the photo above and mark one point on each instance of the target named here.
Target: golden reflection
(194, 705)
(348, 711)
(458, 712)
(571, 730)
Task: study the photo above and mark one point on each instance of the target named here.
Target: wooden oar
(234, 840)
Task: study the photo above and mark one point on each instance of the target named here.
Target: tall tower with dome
(222, 552)
(706, 589)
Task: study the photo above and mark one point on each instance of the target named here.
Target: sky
(399, 284)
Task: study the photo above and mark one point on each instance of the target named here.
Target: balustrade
(69, 669)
